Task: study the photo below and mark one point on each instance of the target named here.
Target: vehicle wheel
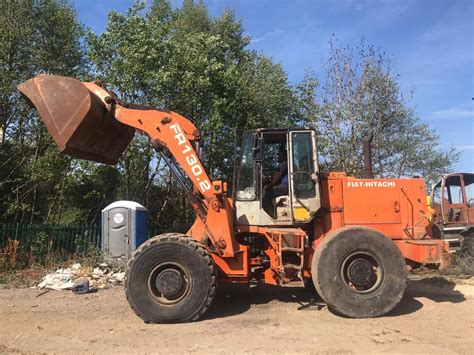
(359, 272)
(170, 278)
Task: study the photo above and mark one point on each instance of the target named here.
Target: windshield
(246, 181)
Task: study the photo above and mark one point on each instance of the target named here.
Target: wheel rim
(168, 283)
(362, 272)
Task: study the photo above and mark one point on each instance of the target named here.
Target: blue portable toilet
(124, 228)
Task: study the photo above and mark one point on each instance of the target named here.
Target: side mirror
(258, 149)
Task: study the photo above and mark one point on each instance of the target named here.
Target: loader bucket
(77, 119)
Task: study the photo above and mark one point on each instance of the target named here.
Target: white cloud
(463, 111)
(380, 11)
(276, 31)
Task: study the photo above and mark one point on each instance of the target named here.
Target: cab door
(454, 205)
(303, 172)
(468, 183)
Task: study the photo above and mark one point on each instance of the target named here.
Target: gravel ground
(435, 316)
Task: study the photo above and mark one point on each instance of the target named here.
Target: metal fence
(47, 238)
(23, 243)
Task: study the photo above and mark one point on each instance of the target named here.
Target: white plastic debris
(75, 266)
(101, 276)
(62, 279)
(97, 273)
(118, 276)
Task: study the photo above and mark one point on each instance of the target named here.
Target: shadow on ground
(237, 299)
(437, 289)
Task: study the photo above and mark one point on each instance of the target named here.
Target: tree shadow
(232, 300)
(437, 289)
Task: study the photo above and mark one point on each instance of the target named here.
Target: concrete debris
(99, 277)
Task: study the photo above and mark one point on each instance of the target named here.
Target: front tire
(359, 272)
(170, 279)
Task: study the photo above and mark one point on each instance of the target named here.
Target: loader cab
(277, 182)
(452, 199)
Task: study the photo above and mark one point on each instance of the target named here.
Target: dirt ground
(435, 316)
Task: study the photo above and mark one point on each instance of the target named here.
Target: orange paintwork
(395, 207)
(425, 251)
(175, 133)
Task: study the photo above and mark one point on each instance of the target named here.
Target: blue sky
(430, 41)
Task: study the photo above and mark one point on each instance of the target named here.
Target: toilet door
(118, 233)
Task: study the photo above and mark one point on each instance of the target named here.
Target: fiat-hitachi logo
(371, 184)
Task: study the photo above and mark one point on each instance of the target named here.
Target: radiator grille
(291, 241)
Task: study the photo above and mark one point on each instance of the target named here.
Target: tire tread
(322, 248)
(200, 249)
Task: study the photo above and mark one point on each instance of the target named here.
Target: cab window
(454, 190)
(246, 178)
(303, 166)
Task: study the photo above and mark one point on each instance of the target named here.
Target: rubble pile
(100, 277)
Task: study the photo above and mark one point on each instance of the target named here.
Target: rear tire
(170, 279)
(359, 272)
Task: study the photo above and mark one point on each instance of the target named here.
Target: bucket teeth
(77, 119)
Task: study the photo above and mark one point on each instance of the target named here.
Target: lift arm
(168, 130)
(173, 135)
(57, 99)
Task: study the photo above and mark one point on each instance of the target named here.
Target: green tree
(186, 61)
(361, 101)
(35, 37)
(92, 187)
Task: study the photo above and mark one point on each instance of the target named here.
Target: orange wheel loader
(452, 199)
(287, 223)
